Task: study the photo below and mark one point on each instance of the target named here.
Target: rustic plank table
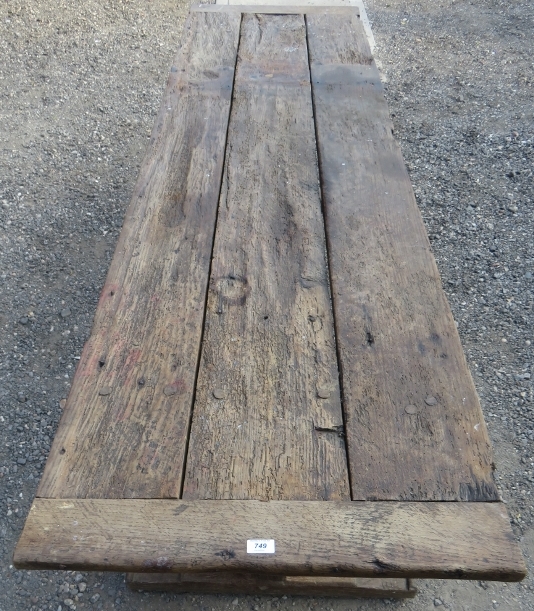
(274, 397)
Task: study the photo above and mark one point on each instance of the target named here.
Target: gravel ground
(80, 85)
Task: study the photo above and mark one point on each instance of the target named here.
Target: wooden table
(273, 357)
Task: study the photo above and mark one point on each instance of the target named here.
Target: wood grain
(260, 427)
(414, 426)
(273, 585)
(315, 538)
(124, 428)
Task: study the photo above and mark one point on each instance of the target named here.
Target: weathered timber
(414, 426)
(273, 585)
(267, 414)
(267, 422)
(315, 538)
(267, 9)
(123, 431)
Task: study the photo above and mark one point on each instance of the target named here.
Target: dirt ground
(80, 86)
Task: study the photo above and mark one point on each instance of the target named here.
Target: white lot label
(260, 546)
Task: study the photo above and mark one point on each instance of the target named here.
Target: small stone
(64, 313)
(169, 390)
(21, 397)
(34, 600)
(68, 602)
(23, 320)
(235, 602)
(410, 409)
(512, 208)
(21, 461)
(219, 393)
(95, 598)
(323, 393)
(431, 400)
(104, 391)
(62, 403)
(78, 578)
(82, 586)
(437, 602)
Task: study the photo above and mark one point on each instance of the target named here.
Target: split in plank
(354, 539)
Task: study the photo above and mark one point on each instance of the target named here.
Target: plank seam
(199, 360)
(327, 256)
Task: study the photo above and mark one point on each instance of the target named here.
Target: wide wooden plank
(349, 539)
(414, 426)
(269, 9)
(273, 585)
(267, 416)
(124, 428)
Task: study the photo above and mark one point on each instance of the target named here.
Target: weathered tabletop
(273, 328)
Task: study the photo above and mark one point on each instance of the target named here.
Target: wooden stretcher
(274, 397)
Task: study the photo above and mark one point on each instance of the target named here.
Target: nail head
(323, 393)
(169, 390)
(219, 393)
(104, 391)
(410, 409)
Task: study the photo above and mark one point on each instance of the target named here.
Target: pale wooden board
(268, 9)
(315, 538)
(282, 3)
(269, 336)
(272, 585)
(398, 344)
(124, 428)
(358, 4)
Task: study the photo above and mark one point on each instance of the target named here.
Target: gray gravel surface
(80, 86)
